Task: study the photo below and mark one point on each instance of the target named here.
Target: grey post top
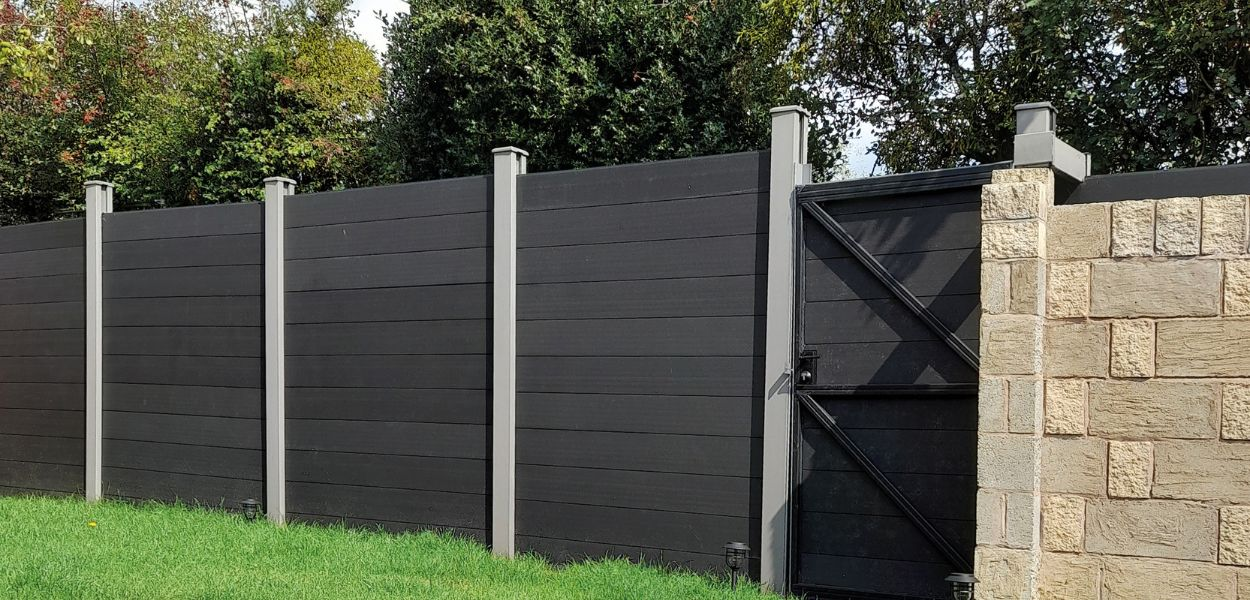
(1036, 144)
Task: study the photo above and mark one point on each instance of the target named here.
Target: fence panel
(640, 342)
(388, 347)
(42, 369)
(183, 354)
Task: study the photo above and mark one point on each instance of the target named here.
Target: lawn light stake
(962, 585)
(735, 558)
(251, 508)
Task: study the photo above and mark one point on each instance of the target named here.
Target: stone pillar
(1014, 208)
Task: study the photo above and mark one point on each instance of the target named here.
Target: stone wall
(1115, 396)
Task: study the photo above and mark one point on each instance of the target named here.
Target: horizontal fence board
(406, 200)
(924, 274)
(379, 404)
(693, 454)
(569, 551)
(440, 232)
(478, 535)
(42, 263)
(193, 430)
(226, 311)
(708, 257)
(51, 342)
(465, 476)
(893, 451)
(909, 230)
(41, 476)
(186, 341)
(47, 315)
(436, 267)
(689, 297)
(212, 371)
(201, 490)
(238, 280)
(879, 537)
(705, 376)
(644, 182)
(232, 463)
(47, 423)
(446, 509)
(43, 369)
(949, 497)
(702, 494)
(888, 578)
(38, 449)
(888, 320)
(187, 221)
(740, 416)
(245, 403)
(217, 250)
(389, 371)
(435, 440)
(676, 219)
(55, 288)
(41, 236)
(898, 411)
(465, 301)
(57, 396)
(876, 200)
(688, 336)
(634, 527)
(412, 337)
(890, 363)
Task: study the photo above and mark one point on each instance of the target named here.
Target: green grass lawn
(65, 548)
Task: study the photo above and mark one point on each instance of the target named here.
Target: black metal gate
(887, 320)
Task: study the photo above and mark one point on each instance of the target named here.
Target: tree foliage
(577, 83)
(1141, 84)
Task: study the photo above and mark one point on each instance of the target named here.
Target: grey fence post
(1036, 144)
(787, 169)
(509, 163)
(276, 191)
(99, 199)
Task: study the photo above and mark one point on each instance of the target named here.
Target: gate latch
(807, 367)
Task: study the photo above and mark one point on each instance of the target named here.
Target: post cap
(509, 150)
(793, 108)
(97, 183)
(1035, 117)
(279, 179)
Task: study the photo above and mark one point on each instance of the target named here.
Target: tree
(577, 82)
(1141, 84)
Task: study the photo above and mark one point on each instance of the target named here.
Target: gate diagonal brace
(896, 495)
(900, 291)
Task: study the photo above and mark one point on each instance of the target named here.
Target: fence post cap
(793, 108)
(509, 150)
(279, 179)
(97, 183)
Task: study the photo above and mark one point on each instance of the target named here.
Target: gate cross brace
(896, 287)
(896, 495)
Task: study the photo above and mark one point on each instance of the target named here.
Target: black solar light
(251, 509)
(962, 585)
(735, 559)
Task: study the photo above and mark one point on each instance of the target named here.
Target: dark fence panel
(184, 354)
(42, 370)
(388, 356)
(640, 351)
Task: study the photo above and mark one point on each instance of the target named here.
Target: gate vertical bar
(99, 200)
(276, 191)
(787, 169)
(509, 164)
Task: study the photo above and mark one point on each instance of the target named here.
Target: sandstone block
(1027, 289)
(1069, 577)
(995, 287)
(1237, 287)
(1040, 175)
(1074, 466)
(1178, 222)
(1005, 574)
(1154, 528)
(1001, 240)
(1022, 519)
(1063, 523)
(1005, 201)
(1130, 466)
(1224, 225)
(1078, 231)
(1132, 348)
(1024, 405)
(1235, 535)
(1154, 409)
(991, 517)
(1127, 578)
(1133, 228)
(1076, 350)
(1187, 288)
(1068, 293)
(992, 405)
(1065, 407)
(1011, 345)
(1007, 462)
(1203, 348)
(1205, 471)
(1235, 415)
